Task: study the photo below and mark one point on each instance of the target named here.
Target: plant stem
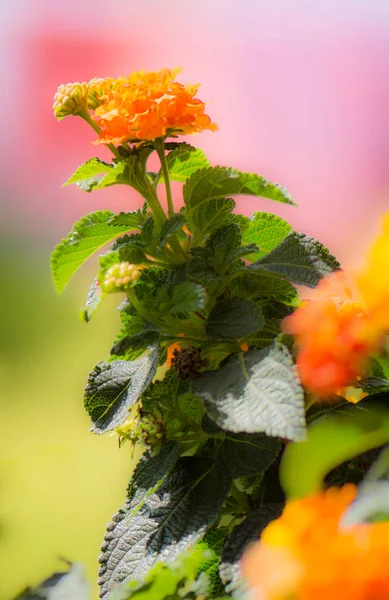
(86, 116)
(159, 145)
(151, 198)
(141, 309)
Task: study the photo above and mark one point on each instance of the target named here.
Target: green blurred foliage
(59, 484)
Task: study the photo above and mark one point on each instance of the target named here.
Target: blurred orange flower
(307, 555)
(145, 106)
(335, 334)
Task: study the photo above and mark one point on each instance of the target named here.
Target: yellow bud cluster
(98, 88)
(70, 99)
(119, 277)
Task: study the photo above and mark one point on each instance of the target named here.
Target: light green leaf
(183, 161)
(88, 235)
(114, 387)
(265, 231)
(131, 220)
(170, 520)
(300, 259)
(94, 167)
(256, 391)
(233, 318)
(331, 441)
(218, 182)
(211, 215)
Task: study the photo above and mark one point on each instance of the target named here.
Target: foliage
(201, 374)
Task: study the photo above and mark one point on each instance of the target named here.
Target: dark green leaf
(218, 182)
(135, 335)
(244, 534)
(94, 299)
(210, 215)
(233, 318)
(256, 391)
(350, 432)
(187, 297)
(248, 453)
(258, 286)
(94, 167)
(170, 227)
(266, 231)
(69, 585)
(171, 519)
(300, 259)
(183, 161)
(114, 387)
(87, 236)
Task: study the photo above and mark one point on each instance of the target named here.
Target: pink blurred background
(300, 90)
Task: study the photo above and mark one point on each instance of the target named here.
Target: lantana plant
(237, 391)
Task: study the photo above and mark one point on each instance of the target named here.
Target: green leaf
(266, 231)
(174, 517)
(248, 453)
(89, 170)
(135, 335)
(114, 387)
(233, 318)
(93, 301)
(210, 215)
(244, 534)
(259, 286)
(212, 546)
(186, 298)
(131, 220)
(88, 235)
(351, 432)
(218, 182)
(68, 585)
(170, 227)
(300, 259)
(256, 391)
(183, 161)
(165, 582)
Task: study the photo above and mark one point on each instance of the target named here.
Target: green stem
(159, 145)
(151, 198)
(86, 116)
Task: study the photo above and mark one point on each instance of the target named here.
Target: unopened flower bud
(98, 90)
(121, 276)
(70, 99)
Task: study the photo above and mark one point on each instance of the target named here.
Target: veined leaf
(174, 517)
(218, 182)
(68, 585)
(183, 161)
(352, 432)
(186, 297)
(94, 299)
(256, 391)
(135, 335)
(248, 453)
(131, 220)
(259, 286)
(88, 235)
(90, 169)
(300, 259)
(210, 215)
(211, 546)
(266, 231)
(170, 227)
(114, 387)
(233, 318)
(244, 534)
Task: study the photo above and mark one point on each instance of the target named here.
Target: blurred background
(300, 90)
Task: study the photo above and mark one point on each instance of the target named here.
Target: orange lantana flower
(306, 554)
(334, 336)
(145, 106)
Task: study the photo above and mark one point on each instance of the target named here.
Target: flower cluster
(143, 106)
(306, 554)
(335, 334)
(120, 276)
